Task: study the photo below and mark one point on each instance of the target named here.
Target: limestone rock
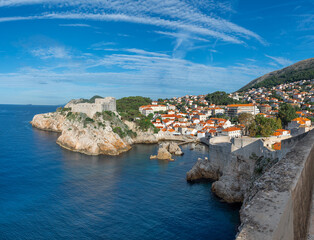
(85, 137)
(92, 142)
(228, 189)
(203, 169)
(163, 154)
(174, 148)
(48, 121)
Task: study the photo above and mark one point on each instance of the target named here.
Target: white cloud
(50, 52)
(280, 60)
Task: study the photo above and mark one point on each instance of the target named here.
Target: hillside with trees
(303, 70)
(128, 107)
(220, 98)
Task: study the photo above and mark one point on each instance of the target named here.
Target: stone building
(101, 104)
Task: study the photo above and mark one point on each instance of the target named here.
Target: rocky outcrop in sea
(105, 133)
(166, 150)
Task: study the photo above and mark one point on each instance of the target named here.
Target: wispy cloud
(280, 60)
(143, 52)
(136, 70)
(50, 52)
(180, 35)
(75, 25)
(171, 14)
(306, 22)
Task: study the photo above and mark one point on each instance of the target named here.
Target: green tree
(128, 107)
(264, 127)
(286, 113)
(246, 119)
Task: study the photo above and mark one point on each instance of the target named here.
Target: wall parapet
(277, 206)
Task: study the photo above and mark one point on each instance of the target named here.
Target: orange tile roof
(301, 120)
(241, 105)
(231, 129)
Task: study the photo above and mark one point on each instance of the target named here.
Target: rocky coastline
(245, 171)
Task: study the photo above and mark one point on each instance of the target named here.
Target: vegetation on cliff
(99, 121)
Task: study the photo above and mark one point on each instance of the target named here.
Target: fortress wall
(244, 141)
(278, 205)
(89, 108)
(220, 139)
(101, 104)
(220, 155)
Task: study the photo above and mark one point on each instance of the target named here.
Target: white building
(218, 110)
(147, 111)
(231, 132)
(155, 108)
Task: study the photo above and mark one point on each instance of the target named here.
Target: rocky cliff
(105, 133)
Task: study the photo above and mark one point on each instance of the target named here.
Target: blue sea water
(47, 192)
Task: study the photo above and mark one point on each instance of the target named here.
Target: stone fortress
(101, 104)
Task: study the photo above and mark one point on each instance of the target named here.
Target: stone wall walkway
(311, 221)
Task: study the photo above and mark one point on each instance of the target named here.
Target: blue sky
(54, 50)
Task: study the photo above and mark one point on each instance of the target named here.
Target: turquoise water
(47, 192)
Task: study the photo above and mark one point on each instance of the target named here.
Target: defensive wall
(101, 104)
(278, 204)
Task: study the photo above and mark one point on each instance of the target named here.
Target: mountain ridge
(301, 70)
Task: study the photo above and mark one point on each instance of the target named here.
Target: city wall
(278, 205)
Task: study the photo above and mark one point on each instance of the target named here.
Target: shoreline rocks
(166, 150)
(202, 169)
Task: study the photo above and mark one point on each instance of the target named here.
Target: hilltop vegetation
(303, 70)
(220, 98)
(128, 107)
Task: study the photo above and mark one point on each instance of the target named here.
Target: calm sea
(47, 192)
